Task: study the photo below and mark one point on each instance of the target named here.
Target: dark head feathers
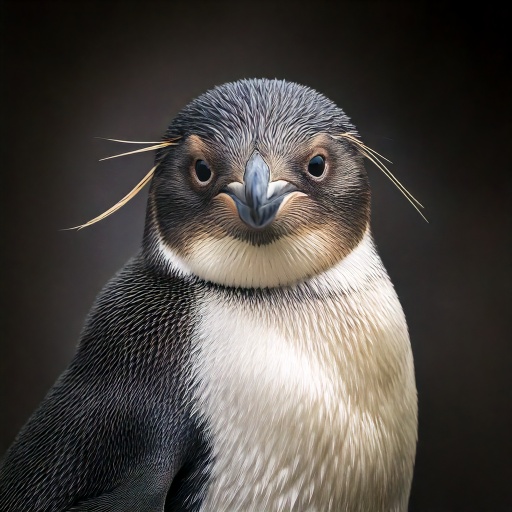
(259, 110)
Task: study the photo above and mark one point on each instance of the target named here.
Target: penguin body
(254, 355)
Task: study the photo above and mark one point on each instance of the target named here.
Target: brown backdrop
(428, 86)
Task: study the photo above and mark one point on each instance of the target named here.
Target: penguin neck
(351, 274)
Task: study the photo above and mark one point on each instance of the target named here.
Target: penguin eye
(316, 166)
(203, 172)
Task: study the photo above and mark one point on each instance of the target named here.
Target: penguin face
(259, 192)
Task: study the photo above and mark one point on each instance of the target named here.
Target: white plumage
(302, 393)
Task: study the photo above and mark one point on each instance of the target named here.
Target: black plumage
(117, 426)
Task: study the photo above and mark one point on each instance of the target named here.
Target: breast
(308, 396)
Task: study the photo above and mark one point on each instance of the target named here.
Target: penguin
(253, 356)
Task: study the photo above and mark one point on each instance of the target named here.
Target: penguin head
(260, 191)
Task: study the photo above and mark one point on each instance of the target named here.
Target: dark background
(427, 84)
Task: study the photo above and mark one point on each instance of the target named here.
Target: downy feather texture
(232, 367)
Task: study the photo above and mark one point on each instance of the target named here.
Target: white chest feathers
(309, 394)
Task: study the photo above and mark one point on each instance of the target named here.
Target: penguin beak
(258, 199)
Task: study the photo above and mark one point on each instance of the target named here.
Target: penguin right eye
(203, 172)
(316, 166)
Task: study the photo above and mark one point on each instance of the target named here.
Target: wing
(116, 427)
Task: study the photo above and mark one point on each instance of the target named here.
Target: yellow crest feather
(142, 183)
(377, 158)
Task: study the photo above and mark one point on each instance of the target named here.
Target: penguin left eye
(203, 172)
(316, 166)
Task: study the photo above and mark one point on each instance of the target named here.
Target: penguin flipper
(118, 411)
(145, 492)
(81, 451)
